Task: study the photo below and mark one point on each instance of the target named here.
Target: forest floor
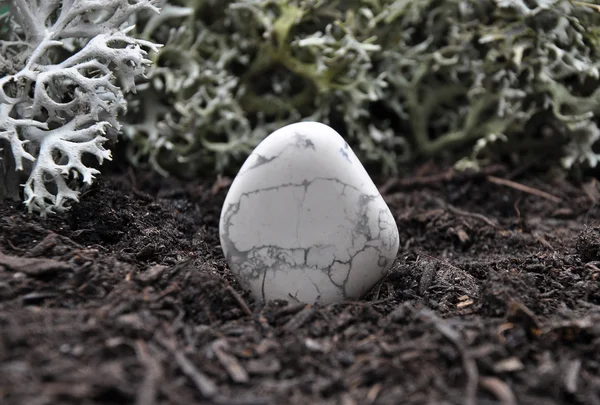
(127, 299)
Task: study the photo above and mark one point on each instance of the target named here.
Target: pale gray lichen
(400, 79)
(232, 72)
(64, 68)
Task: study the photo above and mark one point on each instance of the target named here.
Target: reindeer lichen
(64, 68)
(401, 79)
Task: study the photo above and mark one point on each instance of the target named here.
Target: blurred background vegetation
(468, 81)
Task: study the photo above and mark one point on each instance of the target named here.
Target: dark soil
(494, 299)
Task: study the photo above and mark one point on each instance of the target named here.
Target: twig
(571, 375)
(48, 243)
(441, 177)
(147, 392)
(592, 266)
(235, 370)
(427, 276)
(262, 320)
(468, 362)
(290, 309)
(13, 247)
(299, 319)
(377, 289)
(373, 393)
(203, 383)
(543, 241)
(132, 178)
(33, 266)
(523, 188)
(517, 210)
(239, 300)
(207, 311)
(463, 213)
(416, 181)
(591, 191)
(500, 389)
(221, 183)
(447, 263)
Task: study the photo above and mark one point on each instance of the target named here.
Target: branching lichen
(400, 79)
(64, 68)
(232, 72)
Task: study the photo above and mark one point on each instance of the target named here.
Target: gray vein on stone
(304, 183)
(300, 141)
(344, 152)
(261, 160)
(303, 141)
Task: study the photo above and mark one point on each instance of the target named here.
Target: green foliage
(400, 79)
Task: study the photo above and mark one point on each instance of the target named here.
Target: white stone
(304, 221)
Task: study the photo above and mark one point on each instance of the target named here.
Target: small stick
(592, 266)
(571, 376)
(290, 309)
(203, 383)
(148, 389)
(416, 181)
(523, 188)
(463, 213)
(233, 367)
(299, 319)
(500, 389)
(469, 364)
(33, 266)
(239, 300)
(373, 393)
(48, 243)
(543, 241)
(420, 180)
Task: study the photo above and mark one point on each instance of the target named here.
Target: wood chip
(264, 366)
(499, 389)
(152, 274)
(509, 364)
(33, 266)
(462, 236)
(48, 243)
(299, 319)
(465, 303)
(203, 383)
(235, 370)
(154, 373)
(571, 376)
(523, 188)
(221, 183)
(243, 305)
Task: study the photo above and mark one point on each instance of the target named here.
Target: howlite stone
(303, 221)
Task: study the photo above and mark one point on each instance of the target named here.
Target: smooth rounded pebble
(303, 221)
